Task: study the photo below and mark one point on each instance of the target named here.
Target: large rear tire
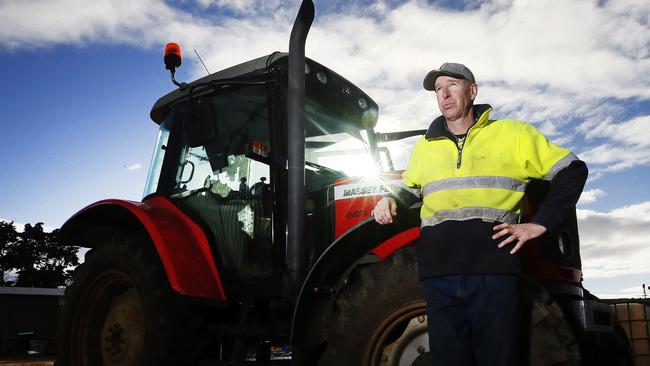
(381, 317)
(120, 311)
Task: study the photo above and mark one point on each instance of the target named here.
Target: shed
(29, 319)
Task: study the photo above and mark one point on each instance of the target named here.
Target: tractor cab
(221, 157)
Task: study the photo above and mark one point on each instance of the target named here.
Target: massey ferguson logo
(364, 189)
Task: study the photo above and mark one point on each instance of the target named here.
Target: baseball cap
(448, 69)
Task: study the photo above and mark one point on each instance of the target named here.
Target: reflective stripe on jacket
(486, 177)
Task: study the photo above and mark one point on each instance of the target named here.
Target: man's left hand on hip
(521, 233)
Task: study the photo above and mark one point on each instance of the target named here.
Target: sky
(79, 81)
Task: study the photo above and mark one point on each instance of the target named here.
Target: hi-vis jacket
(486, 176)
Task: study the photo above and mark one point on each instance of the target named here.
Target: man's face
(455, 96)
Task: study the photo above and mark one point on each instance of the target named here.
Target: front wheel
(120, 311)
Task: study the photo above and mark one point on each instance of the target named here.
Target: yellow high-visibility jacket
(486, 176)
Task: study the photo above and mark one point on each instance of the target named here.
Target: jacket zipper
(459, 161)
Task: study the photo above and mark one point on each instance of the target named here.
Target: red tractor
(255, 244)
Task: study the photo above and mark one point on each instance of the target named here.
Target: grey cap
(448, 69)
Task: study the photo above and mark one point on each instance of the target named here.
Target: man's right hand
(384, 211)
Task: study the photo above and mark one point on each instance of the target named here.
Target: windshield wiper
(322, 167)
(394, 136)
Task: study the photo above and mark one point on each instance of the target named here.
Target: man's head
(455, 89)
(458, 71)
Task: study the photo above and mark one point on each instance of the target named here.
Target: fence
(633, 315)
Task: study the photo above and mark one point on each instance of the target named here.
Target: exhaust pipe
(296, 254)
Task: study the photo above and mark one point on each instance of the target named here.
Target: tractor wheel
(380, 320)
(381, 317)
(120, 310)
(546, 336)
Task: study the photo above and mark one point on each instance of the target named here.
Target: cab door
(224, 182)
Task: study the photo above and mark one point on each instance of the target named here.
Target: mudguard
(181, 244)
(314, 303)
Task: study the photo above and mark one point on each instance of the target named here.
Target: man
(472, 172)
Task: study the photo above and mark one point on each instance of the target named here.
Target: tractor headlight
(363, 103)
(321, 77)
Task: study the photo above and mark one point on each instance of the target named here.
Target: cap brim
(429, 82)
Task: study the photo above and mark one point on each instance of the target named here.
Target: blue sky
(75, 127)
(78, 85)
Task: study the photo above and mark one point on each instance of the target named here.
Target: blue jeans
(472, 319)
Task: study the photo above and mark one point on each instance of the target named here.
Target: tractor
(254, 242)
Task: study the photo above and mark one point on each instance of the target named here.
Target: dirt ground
(27, 361)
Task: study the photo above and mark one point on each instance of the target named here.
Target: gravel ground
(31, 361)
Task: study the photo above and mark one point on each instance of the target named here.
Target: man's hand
(384, 211)
(520, 232)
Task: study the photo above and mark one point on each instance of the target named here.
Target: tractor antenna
(205, 67)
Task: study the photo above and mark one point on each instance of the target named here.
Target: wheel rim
(122, 334)
(110, 327)
(400, 338)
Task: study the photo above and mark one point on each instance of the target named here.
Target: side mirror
(199, 122)
(200, 125)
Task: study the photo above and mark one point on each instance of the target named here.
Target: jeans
(472, 319)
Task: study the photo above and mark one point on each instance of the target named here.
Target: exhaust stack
(296, 254)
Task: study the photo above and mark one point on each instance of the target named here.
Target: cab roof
(260, 65)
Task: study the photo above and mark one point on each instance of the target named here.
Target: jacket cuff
(403, 197)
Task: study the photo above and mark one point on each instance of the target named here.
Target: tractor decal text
(364, 189)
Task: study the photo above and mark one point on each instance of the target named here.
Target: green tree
(41, 259)
(8, 238)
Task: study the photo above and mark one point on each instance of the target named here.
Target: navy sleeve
(404, 197)
(562, 196)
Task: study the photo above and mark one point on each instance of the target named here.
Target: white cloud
(618, 145)
(249, 7)
(591, 196)
(623, 293)
(616, 242)
(75, 22)
(633, 132)
(610, 157)
(134, 167)
(20, 227)
(545, 70)
(567, 77)
(501, 41)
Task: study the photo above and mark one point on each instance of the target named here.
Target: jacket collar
(438, 127)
